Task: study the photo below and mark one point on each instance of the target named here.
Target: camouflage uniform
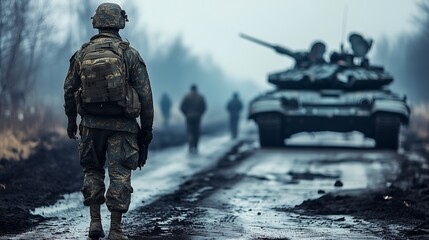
(193, 107)
(115, 135)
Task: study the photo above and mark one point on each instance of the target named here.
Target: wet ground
(234, 190)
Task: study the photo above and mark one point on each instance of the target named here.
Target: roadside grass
(22, 132)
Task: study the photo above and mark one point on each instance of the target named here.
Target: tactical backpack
(105, 89)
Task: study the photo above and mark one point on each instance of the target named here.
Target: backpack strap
(121, 47)
(97, 46)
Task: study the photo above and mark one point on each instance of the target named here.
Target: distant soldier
(108, 85)
(317, 51)
(306, 59)
(234, 108)
(166, 109)
(193, 107)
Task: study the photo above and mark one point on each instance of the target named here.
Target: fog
(407, 56)
(196, 43)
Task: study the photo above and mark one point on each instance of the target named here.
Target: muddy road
(234, 190)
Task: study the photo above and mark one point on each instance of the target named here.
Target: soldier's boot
(95, 227)
(115, 227)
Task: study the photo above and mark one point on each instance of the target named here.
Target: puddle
(194, 197)
(331, 139)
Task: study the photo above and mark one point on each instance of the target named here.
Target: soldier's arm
(71, 85)
(139, 79)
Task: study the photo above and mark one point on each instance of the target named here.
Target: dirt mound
(405, 203)
(390, 205)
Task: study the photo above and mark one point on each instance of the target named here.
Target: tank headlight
(365, 103)
(284, 101)
(290, 103)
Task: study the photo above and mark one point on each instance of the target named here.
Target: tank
(343, 95)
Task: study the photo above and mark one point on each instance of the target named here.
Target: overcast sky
(210, 28)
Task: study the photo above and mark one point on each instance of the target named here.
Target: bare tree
(22, 25)
(407, 58)
(23, 38)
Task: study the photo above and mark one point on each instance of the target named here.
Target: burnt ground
(402, 207)
(406, 208)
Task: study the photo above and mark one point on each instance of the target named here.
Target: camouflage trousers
(122, 157)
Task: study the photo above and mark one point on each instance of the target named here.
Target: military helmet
(109, 15)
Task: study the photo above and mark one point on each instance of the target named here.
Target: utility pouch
(132, 106)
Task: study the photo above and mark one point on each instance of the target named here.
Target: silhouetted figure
(166, 109)
(193, 107)
(234, 108)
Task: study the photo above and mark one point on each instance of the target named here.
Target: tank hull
(338, 111)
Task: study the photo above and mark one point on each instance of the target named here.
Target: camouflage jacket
(193, 105)
(139, 80)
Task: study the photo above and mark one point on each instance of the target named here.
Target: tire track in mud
(172, 216)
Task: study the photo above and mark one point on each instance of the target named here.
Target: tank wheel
(270, 131)
(387, 131)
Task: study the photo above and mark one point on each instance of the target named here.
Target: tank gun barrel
(277, 48)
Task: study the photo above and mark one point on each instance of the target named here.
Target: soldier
(234, 108)
(193, 107)
(317, 51)
(108, 85)
(314, 56)
(166, 109)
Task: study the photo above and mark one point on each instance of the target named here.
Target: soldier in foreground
(234, 108)
(193, 107)
(108, 85)
(166, 109)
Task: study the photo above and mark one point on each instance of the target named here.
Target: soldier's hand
(72, 128)
(145, 137)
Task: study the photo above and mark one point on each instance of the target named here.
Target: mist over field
(407, 57)
(36, 51)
